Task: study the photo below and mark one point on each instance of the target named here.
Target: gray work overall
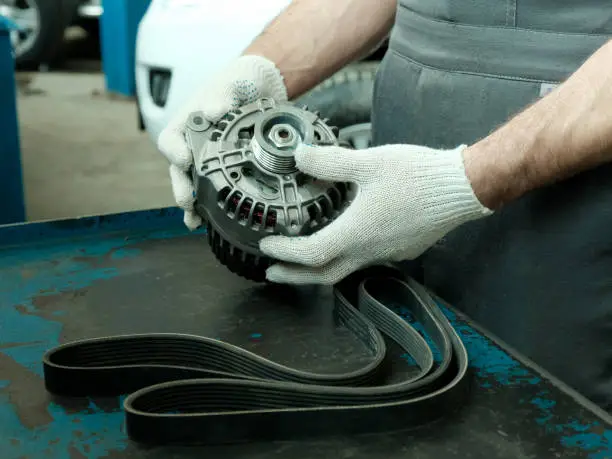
(539, 272)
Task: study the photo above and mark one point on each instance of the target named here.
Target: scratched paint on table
(24, 337)
(491, 362)
(94, 432)
(494, 366)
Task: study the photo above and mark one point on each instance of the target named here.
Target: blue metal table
(142, 272)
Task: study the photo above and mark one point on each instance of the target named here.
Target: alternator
(247, 184)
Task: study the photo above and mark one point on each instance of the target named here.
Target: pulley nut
(283, 136)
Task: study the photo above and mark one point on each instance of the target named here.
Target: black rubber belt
(193, 390)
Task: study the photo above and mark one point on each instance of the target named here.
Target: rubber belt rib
(188, 389)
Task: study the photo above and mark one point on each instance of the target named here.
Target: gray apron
(539, 272)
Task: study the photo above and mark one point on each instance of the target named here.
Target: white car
(182, 43)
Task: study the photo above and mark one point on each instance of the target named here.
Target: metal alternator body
(247, 183)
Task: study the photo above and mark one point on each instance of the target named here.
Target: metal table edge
(526, 361)
(19, 234)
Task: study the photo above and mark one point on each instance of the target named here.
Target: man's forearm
(564, 133)
(312, 39)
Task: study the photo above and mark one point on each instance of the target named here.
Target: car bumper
(181, 44)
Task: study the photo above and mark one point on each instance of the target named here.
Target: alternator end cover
(247, 183)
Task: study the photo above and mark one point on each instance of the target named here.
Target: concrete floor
(82, 152)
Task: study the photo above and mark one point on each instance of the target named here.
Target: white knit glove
(408, 197)
(245, 80)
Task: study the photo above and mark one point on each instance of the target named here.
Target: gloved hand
(408, 197)
(245, 80)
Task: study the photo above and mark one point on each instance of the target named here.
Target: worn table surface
(156, 278)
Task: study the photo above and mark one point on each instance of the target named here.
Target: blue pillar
(12, 207)
(119, 24)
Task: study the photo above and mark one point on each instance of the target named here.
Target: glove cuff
(267, 72)
(452, 194)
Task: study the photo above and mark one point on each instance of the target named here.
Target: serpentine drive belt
(188, 389)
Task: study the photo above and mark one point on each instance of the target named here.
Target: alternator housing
(247, 183)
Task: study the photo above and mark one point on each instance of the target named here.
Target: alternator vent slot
(326, 207)
(258, 214)
(245, 209)
(233, 202)
(223, 194)
(271, 219)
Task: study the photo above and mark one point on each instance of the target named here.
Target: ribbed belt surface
(188, 389)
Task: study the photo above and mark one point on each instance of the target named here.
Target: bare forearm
(312, 39)
(566, 132)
